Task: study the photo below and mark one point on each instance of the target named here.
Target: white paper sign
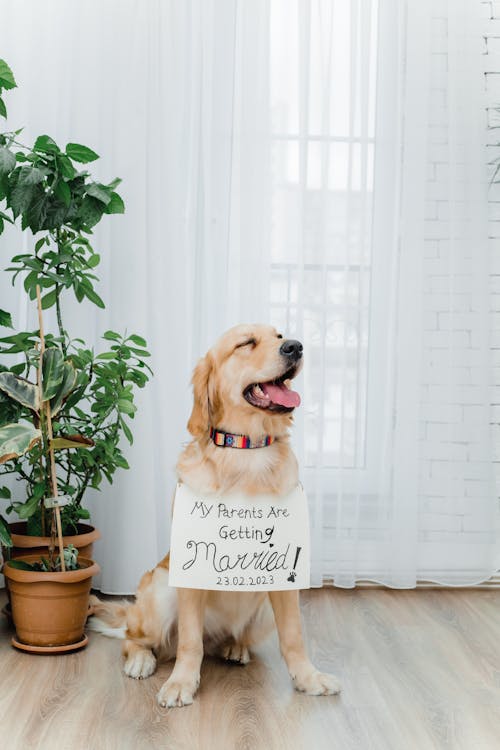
(240, 542)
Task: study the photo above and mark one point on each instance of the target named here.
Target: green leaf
(121, 461)
(126, 406)
(20, 390)
(20, 198)
(80, 153)
(17, 439)
(5, 493)
(63, 192)
(20, 564)
(39, 490)
(90, 211)
(7, 218)
(7, 160)
(99, 192)
(137, 340)
(37, 210)
(3, 108)
(126, 429)
(65, 166)
(7, 80)
(56, 214)
(5, 319)
(106, 355)
(49, 299)
(30, 281)
(46, 144)
(42, 241)
(52, 372)
(67, 384)
(112, 336)
(30, 175)
(27, 509)
(4, 186)
(5, 537)
(115, 205)
(23, 339)
(78, 291)
(10, 410)
(94, 297)
(71, 441)
(94, 260)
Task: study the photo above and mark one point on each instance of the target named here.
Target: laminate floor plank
(420, 671)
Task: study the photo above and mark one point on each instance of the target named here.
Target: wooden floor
(419, 669)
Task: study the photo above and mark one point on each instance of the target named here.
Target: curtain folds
(318, 164)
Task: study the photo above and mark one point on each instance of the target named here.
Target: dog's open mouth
(274, 395)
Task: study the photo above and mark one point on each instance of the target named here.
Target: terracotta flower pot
(23, 544)
(49, 609)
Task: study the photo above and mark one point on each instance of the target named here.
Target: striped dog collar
(228, 440)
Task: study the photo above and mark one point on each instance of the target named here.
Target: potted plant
(49, 602)
(43, 188)
(49, 596)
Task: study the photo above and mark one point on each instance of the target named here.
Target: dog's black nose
(292, 349)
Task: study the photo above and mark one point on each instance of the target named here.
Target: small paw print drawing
(293, 574)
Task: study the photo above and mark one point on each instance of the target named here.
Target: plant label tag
(57, 502)
(240, 542)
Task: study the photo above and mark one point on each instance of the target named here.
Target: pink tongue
(280, 394)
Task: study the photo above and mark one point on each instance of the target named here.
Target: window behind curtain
(323, 75)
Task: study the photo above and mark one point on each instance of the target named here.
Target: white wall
(491, 27)
(437, 516)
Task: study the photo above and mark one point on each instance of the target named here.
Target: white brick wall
(491, 27)
(453, 467)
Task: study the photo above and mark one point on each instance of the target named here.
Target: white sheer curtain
(316, 164)
(380, 207)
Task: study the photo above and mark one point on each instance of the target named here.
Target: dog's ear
(200, 416)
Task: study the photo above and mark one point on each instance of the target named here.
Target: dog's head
(242, 383)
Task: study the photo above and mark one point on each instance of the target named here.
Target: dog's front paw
(317, 683)
(175, 692)
(140, 664)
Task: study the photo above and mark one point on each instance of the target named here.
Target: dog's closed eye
(249, 342)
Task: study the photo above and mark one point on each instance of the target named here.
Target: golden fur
(186, 623)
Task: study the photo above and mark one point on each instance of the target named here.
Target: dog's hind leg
(151, 625)
(235, 652)
(257, 629)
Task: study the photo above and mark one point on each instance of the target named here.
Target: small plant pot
(49, 609)
(24, 544)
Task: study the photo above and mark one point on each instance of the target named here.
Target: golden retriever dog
(241, 387)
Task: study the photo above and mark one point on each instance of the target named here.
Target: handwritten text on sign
(239, 542)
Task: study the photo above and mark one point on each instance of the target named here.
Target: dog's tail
(108, 618)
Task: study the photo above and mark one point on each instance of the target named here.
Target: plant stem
(59, 321)
(62, 332)
(68, 475)
(83, 486)
(41, 421)
(50, 459)
(41, 416)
